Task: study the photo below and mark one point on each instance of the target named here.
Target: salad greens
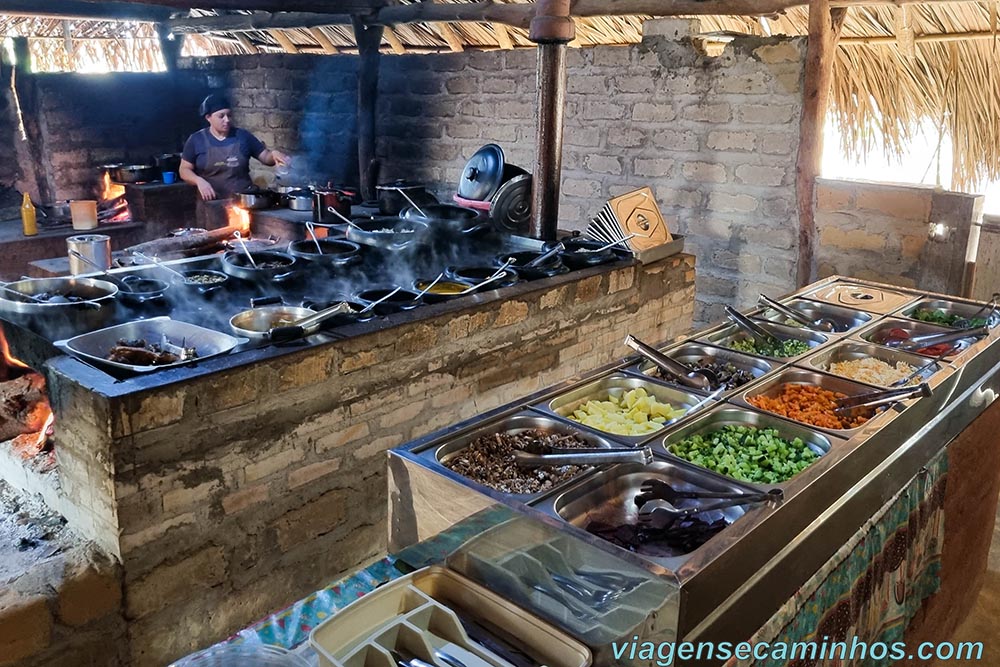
(747, 453)
(939, 316)
(785, 348)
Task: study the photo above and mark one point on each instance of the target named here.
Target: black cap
(213, 103)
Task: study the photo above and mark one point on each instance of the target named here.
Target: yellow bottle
(28, 221)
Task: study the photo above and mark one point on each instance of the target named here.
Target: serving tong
(875, 398)
(701, 379)
(822, 324)
(588, 456)
(657, 489)
(906, 380)
(930, 340)
(760, 335)
(657, 509)
(991, 306)
(548, 254)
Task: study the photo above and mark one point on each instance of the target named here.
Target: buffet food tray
(616, 384)
(913, 328)
(793, 375)
(725, 334)
(689, 354)
(950, 307)
(848, 350)
(845, 320)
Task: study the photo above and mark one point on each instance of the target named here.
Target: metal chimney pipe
(551, 28)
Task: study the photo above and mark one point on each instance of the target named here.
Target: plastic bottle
(29, 222)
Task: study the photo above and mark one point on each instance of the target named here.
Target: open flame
(239, 218)
(109, 190)
(26, 417)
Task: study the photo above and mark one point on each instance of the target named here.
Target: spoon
(606, 246)
(29, 297)
(541, 259)
(760, 336)
(157, 262)
(822, 324)
(375, 303)
(312, 233)
(104, 272)
(432, 284)
(239, 237)
(497, 275)
(703, 379)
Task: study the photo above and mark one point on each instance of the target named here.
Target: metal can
(95, 247)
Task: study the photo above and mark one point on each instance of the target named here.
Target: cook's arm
(187, 174)
(273, 157)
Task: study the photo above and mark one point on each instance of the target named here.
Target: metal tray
(92, 347)
(617, 384)
(914, 328)
(950, 308)
(691, 353)
(609, 496)
(803, 376)
(843, 319)
(729, 333)
(849, 351)
(728, 415)
(861, 296)
(442, 451)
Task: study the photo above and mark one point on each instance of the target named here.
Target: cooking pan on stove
(271, 266)
(448, 218)
(387, 232)
(335, 252)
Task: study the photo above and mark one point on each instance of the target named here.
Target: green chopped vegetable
(747, 453)
(939, 316)
(785, 348)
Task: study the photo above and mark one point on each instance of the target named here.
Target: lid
(510, 208)
(483, 173)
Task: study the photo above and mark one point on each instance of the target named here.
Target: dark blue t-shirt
(226, 163)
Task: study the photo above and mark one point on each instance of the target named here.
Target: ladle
(29, 297)
(876, 398)
(407, 198)
(347, 220)
(822, 324)
(703, 379)
(157, 262)
(100, 269)
(760, 336)
(375, 303)
(239, 238)
(541, 259)
(432, 284)
(312, 233)
(497, 275)
(661, 514)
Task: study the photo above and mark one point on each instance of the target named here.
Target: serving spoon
(100, 269)
(239, 238)
(157, 262)
(703, 379)
(311, 228)
(822, 324)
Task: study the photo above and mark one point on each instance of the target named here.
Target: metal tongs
(545, 256)
(703, 379)
(990, 306)
(662, 514)
(308, 324)
(822, 324)
(592, 456)
(872, 399)
(760, 335)
(657, 489)
(930, 340)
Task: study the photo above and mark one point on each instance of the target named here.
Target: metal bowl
(401, 300)
(140, 290)
(336, 252)
(576, 254)
(953, 308)
(238, 265)
(387, 232)
(256, 322)
(850, 351)
(727, 334)
(843, 319)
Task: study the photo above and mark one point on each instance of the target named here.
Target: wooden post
(29, 147)
(170, 46)
(369, 40)
(824, 31)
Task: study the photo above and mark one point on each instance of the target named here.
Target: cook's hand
(206, 190)
(281, 158)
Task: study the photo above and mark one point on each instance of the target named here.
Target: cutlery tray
(416, 614)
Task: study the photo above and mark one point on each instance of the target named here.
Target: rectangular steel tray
(966, 309)
(844, 319)
(913, 328)
(802, 376)
(92, 347)
(690, 353)
(728, 333)
(440, 452)
(863, 297)
(617, 384)
(728, 415)
(849, 350)
(609, 496)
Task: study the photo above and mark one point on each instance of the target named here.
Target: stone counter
(236, 491)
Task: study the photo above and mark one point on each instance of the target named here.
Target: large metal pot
(299, 200)
(272, 266)
(253, 199)
(332, 205)
(134, 173)
(256, 322)
(387, 232)
(447, 218)
(57, 318)
(395, 196)
(336, 252)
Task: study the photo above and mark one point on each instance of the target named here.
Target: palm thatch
(94, 46)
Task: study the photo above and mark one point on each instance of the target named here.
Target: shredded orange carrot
(810, 404)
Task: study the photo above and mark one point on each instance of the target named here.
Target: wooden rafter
(450, 37)
(82, 11)
(246, 43)
(360, 7)
(504, 40)
(393, 40)
(284, 41)
(325, 43)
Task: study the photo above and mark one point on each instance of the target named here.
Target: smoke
(328, 141)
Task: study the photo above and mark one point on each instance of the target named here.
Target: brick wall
(879, 231)
(235, 494)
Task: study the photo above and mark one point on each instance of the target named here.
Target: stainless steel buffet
(732, 570)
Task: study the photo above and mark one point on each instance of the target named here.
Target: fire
(27, 407)
(111, 190)
(239, 218)
(8, 358)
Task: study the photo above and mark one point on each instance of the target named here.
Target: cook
(216, 159)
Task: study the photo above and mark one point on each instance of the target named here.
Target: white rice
(873, 371)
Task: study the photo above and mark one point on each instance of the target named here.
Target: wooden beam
(286, 43)
(325, 43)
(504, 40)
(450, 37)
(393, 40)
(360, 7)
(83, 11)
(825, 24)
(246, 43)
(369, 40)
(254, 22)
(933, 37)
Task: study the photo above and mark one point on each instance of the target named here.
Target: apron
(227, 169)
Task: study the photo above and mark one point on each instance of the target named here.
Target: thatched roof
(882, 92)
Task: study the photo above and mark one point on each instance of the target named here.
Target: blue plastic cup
(169, 177)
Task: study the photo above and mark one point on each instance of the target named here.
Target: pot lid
(483, 173)
(398, 185)
(510, 208)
